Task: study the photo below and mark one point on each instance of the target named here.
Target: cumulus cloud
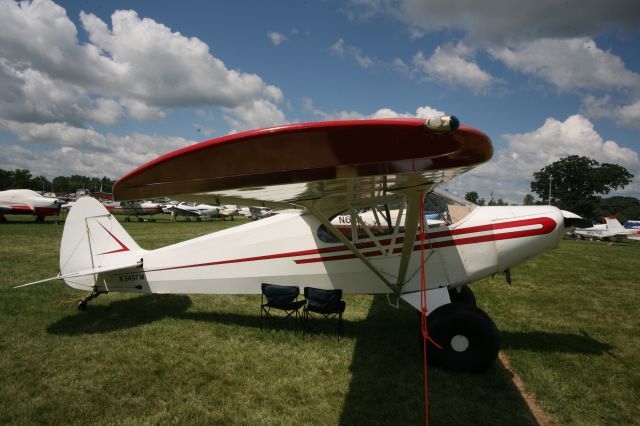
(453, 65)
(343, 50)
(124, 153)
(137, 62)
(421, 112)
(569, 64)
(253, 115)
(276, 38)
(499, 21)
(511, 170)
(624, 115)
(56, 87)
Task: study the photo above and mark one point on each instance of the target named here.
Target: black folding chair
(280, 297)
(327, 303)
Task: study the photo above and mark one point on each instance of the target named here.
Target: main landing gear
(82, 304)
(468, 336)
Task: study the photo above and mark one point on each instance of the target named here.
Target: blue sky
(99, 88)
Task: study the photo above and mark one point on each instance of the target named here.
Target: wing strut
(344, 240)
(411, 222)
(412, 219)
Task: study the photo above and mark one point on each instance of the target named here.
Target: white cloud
(624, 115)
(141, 111)
(339, 48)
(56, 134)
(497, 21)
(511, 170)
(120, 155)
(164, 68)
(138, 62)
(452, 65)
(569, 64)
(421, 112)
(253, 115)
(277, 38)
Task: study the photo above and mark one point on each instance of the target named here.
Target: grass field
(569, 325)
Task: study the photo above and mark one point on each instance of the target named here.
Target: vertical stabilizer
(614, 226)
(93, 239)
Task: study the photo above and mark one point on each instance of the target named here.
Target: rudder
(93, 238)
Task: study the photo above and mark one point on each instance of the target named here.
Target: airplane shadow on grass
(387, 372)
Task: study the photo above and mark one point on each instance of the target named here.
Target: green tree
(472, 197)
(624, 208)
(21, 179)
(6, 179)
(528, 200)
(575, 180)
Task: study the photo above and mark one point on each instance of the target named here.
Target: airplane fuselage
(292, 248)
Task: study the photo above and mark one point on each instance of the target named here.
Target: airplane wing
(333, 164)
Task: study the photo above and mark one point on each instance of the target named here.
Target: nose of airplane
(525, 231)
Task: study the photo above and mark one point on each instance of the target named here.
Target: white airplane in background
(28, 202)
(199, 211)
(323, 170)
(611, 229)
(133, 208)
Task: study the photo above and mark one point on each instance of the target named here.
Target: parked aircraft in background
(323, 170)
(611, 229)
(632, 224)
(28, 202)
(133, 208)
(198, 211)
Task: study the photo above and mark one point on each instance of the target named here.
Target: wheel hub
(459, 343)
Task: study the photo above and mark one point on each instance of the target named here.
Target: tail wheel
(462, 295)
(469, 338)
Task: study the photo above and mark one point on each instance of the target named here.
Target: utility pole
(550, 180)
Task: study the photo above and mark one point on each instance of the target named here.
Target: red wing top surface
(340, 159)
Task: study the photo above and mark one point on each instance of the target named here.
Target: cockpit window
(450, 207)
(441, 208)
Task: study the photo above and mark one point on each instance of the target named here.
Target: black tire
(82, 305)
(465, 295)
(469, 338)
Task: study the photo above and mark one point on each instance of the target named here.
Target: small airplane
(28, 202)
(197, 211)
(316, 172)
(611, 229)
(133, 208)
(256, 213)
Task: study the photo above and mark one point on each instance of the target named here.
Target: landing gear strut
(82, 304)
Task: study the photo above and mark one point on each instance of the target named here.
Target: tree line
(577, 183)
(23, 179)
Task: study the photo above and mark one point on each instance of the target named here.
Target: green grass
(569, 325)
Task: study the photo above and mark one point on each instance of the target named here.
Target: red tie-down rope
(423, 311)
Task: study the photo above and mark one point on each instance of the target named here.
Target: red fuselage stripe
(547, 225)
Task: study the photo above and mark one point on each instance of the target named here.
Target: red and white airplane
(611, 229)
(28, 202)
(320, 171)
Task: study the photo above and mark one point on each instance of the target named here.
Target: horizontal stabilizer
(94, 271)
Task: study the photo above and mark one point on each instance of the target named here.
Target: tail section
(614, 226)
(93, 240)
